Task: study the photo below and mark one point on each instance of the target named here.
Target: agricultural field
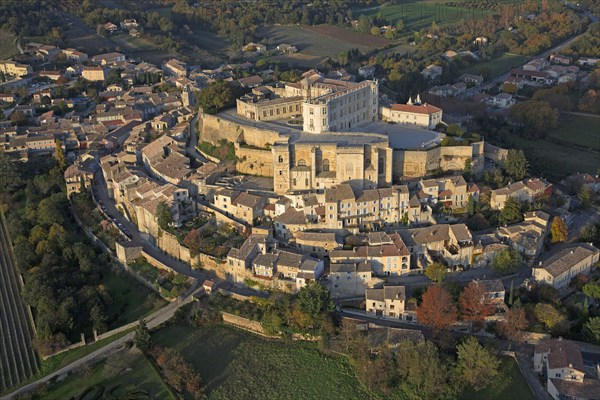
(579, 130)
(18, 361)
(497, 66)
(510, 385)
(138, 376)
(245, 366)
(316, 43)
(554, 160)
(417, 15)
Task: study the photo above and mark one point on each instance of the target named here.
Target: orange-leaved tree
(437, 308)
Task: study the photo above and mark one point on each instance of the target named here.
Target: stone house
(349, 279)
(559, 269)
(388, 302)
(525, 190)
(452, 244)
(560, 362)
(318, 243)
(387, 254)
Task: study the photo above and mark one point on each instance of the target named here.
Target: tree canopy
(436, 272)
(516, 164)
(476, 366)
(216, 96)
(559, 230)
(506, 261)
(437, 309)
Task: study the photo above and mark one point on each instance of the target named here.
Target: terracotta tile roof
(561, 353)
(422, 109)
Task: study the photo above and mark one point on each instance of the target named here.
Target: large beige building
(558, 270)
(94, 73)
(525, 190)
(326, 105)
(14, 68)
(423, 115)
(320, 162)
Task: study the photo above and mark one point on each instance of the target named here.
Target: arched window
(302, 163)
(325, 165)
(381, 165)
(280, 158)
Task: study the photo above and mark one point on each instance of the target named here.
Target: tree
(437, 308)
(506, 261)
(476, 366)
(514, 324)
(473, 304)
(272, 321)
(421, 367)
(468, 167)
(216, 96)
(60, 155)
(549, 316)
(511, 212)
(374, 31)
(399, 25)
(163, 215)
(591, 329)
(436, 272)
(592, 290)
(535, 115)
(516, 164)
(142, 338)
(585, 196)
(315, 300)
(559, 230)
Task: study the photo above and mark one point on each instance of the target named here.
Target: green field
(131, 299)
(497, 66)
(510, 385)
(7, 45)
(235, 364)
(139, 376)
(578, 129)
(555, 160)
(417, 15)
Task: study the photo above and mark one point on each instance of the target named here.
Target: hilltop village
(247, 182)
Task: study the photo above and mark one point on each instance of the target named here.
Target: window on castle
(294, 182)
(301, 163)
(325, 165)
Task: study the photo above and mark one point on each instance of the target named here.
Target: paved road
(191, 147)
(152, 321)
(101, 194)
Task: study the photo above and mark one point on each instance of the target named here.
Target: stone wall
(215, 128)
(254, 161)
(243, 323)
(409, 164)
(498, 154)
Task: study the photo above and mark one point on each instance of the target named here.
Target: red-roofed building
(424, 115)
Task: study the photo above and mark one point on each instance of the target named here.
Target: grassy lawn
(235, 364)
(131, 299)
(417, 15)
(578, 129)
(7, 45)
(140, 376)
(55, 363)
(497, 66)
(510, 385)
